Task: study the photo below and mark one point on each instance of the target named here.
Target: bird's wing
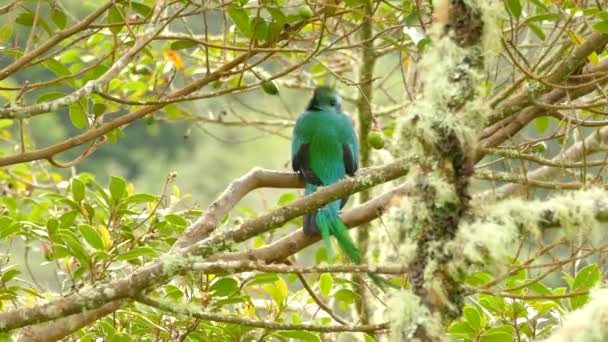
(351, 150)
(301, 164)
(300, 154)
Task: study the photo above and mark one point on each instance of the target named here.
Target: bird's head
(325, 98)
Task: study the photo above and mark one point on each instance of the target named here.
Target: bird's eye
(333, 102)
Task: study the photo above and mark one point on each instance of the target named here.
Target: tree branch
(195, 312)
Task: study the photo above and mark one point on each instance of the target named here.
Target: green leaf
(514, 7)
(78, 189)
(263, 278)
(299, 335)
(176, 220)
(10, 274)
(5, 123)
(138, 252)
(498, 336)
(586, 278)
(601, 27)
(91, 235)
(173, 292)
(241, 19)
(57, 67)
(460, 329)
(75, 247)
(59, 18)
(536, 30)
(118, 188)
(25, 18)
(325, 283)
(50, 96)
(260, 28)
(183, 44)
(277, 15)
(473, 318)
(78, 116)
(94, 73)
(140, 198)
(224, 287)
(278, 291)
(542, 123)
(115, 17)
(6, 31)
(368, 338)
(286, 198)
(140, 8)
(99, 108)
(346, 296)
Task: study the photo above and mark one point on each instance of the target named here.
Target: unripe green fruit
(270, 87)
(305, 12)
(375, 140)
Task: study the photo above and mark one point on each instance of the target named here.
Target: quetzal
(324, 150)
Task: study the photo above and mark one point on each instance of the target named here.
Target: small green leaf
(541, 123)
(6, 31)
(50, 96)
(25, 18)
(95, 73)
(473, 318)
(286, 198)
(91, 235)
(325, 283)
(118, 188)
(59, 18)
(115, 17)
(10, 274)
(498, 336)
(99, 108)
(460, 329)
(263, 278)
(587, 277)
(57, 67)
(73, 245)
(278, 291)
(536, 30)
(601, 27)
(140, 8)
(514, 7)
(346, 296)
(138, 252)
(260, 28)
(241, 19)
(140, 198)
(78, 116)
(176, 220)
(224, 287)
(183, 44)
(298, 335)
(5, 123)
(78, 189)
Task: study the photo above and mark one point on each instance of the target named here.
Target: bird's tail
(328, 223)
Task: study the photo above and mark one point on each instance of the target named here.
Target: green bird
(325, 150)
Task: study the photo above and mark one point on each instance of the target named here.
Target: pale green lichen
(589, 323)
(491, 12)
(502, 225)
(406, 315)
